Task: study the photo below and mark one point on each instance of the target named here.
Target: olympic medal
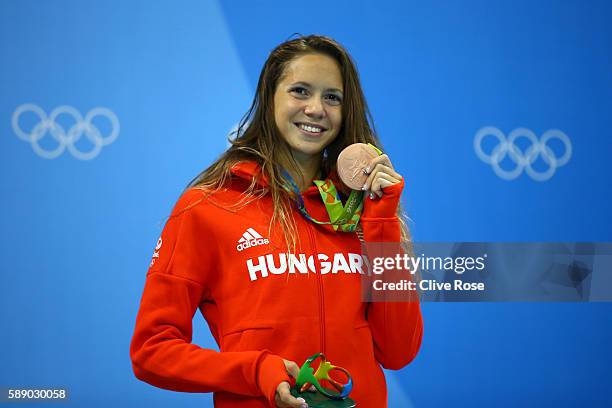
(352, 162)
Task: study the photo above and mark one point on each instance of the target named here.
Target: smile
(310, 129)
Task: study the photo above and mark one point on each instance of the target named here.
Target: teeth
(310, 129)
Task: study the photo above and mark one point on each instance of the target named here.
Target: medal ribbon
(346, 217)
(343, 217)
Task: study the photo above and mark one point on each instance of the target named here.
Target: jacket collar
(248, 170)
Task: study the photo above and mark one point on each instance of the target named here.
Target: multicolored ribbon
(343, 217)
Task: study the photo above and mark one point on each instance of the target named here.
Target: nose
(314, 108)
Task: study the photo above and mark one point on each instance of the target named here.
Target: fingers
(383, 159)
(292, 368)
(284, 399)
(381, 175)
(381, 181)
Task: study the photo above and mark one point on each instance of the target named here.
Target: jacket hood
(248, 170)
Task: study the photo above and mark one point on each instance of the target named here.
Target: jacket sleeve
(176, 284)
(397, 327)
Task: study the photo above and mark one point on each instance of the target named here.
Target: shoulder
(188, 201)
(214, 203)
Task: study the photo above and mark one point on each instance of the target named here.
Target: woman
(248, 245)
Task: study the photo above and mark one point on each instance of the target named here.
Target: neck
(309, 169)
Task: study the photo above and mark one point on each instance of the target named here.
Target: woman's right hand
(283, 397)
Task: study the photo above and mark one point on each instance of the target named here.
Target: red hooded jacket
(261, 308)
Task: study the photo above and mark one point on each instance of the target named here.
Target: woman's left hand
(381, 175)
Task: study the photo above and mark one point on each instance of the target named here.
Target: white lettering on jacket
(277, 264)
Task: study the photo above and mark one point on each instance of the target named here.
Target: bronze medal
(352, 161)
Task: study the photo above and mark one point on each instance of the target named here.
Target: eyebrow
(310, 86)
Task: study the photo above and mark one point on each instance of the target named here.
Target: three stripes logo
(249, 239)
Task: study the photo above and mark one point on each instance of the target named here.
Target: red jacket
(259, 308)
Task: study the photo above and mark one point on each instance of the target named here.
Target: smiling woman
(243, 245)
(307, 108)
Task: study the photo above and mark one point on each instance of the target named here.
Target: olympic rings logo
(66, 139)
(523, 160)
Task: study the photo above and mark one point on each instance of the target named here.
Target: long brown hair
(258, 139)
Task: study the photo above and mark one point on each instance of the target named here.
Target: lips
(310, 129)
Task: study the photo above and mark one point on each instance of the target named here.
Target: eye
(299, 90)
(333, 99)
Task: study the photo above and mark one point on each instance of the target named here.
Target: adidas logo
(249, 239)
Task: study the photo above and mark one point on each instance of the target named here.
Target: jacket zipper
(320, 285)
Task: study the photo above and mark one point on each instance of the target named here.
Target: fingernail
(301, 399)
(364, 187)
(304, 406)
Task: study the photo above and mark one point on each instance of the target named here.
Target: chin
(308, 152)
(308, 147)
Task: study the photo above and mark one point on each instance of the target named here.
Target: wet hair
(258, 139)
